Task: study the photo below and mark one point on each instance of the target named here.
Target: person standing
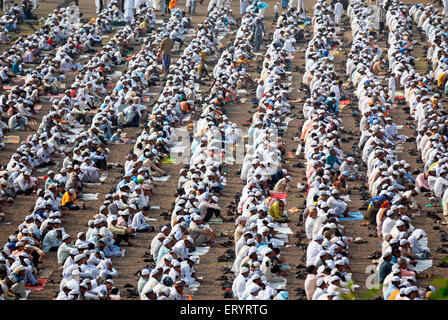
(392, 86)
(243, 6)
(188, 5)
(276, 16)
(338, 9)
(258, 31)
(129, 6)
(193, 6)
(99, 5)
(381, 18)
(301, 5)
(165, 47)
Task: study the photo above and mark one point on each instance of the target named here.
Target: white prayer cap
(79, 257)
(244, 270)
(318, 237)
(399, 223)
(340, 263)
(393, 241)
(255, 277)
(334, 278)
(65, 236)
(320, 282)
(154, 272)
(254, 289)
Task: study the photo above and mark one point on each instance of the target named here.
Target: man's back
(166, 45)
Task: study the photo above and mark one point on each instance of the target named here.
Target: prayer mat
(45, 273)
(40, 285)
(344, 102)
(8, 87)
(110, 86)
(89, 196)
(124, 141)
(199, 251)
(399, 95)
(290, 155)
(12, 139)
(278, 285)
(279, 196)
(215, 221)
(5, 223)
(422, 265)
(169, 160)
(284, 230)
(282, 237)
(154, 208)
(353, 216)
(38, 107)
(161, 179)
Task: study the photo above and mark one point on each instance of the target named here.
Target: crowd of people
(259, 267)
(202, 180)
(328, 169)
(84, 143)
(425, 105)
(82, 123)
(392, 187)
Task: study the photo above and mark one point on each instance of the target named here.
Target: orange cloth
(172, 4)
(394, 294)
(68, 198)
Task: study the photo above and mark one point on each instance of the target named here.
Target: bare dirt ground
(209, 267)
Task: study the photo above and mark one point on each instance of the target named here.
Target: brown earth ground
(209, 267)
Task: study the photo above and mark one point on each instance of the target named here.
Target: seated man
(18, 122)
(119, 232)
(25, 184)
(277, 211)
(69, 200)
